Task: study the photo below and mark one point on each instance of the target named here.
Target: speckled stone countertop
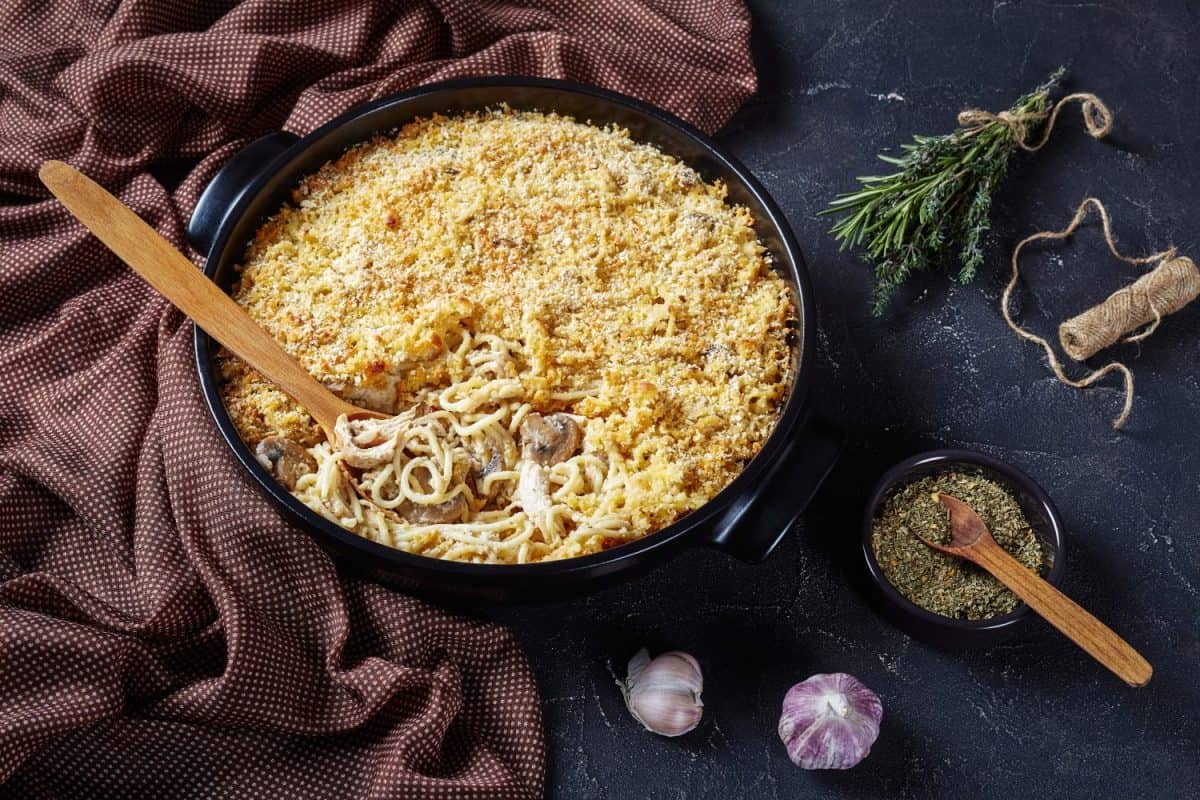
(1034, 718)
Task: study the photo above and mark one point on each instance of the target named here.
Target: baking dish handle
(756, 523)
(228, 185)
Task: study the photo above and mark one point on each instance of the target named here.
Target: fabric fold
(163, 631)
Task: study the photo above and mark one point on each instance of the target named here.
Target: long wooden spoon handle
(177, 279)
(1065, 614)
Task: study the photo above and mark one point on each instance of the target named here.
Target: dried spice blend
(939, 582)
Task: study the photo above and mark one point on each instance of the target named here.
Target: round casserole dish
(747, 518)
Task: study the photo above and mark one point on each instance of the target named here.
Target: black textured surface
(1035, 718)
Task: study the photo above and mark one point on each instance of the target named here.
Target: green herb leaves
(936, 206)
(942, 583)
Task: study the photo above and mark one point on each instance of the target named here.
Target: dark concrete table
(1034, 718)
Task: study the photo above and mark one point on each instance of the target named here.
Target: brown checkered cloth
(163, 633)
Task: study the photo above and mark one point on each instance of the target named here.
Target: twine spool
(1168, 288)
(1173, 284)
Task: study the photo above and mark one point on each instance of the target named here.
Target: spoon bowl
(970, 539)
(966, 528)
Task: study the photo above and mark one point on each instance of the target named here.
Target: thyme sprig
(937, 204)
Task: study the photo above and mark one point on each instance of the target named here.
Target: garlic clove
(663, 693)
(666, 714)
(829, 721)
(637, 665)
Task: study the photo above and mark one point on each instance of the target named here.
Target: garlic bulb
(664, 693)
(829, 721)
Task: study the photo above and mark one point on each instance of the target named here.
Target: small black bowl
(946, 631)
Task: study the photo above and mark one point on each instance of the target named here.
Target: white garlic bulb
(829, 721)
(664, 693)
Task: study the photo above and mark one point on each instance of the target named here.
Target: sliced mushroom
(368, 443)
(286, 460)
(550, 440)
(701, 220)
(452, 510)
(496, 451)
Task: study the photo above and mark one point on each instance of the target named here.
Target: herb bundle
(936, 205)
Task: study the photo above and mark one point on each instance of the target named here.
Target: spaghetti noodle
(450, 481)
(581, 340)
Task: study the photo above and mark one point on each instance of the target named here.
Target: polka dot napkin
(163, 633)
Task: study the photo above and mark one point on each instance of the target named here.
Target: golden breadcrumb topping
(639, 299)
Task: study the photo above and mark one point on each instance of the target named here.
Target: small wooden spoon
(970, 539)
(178, 279)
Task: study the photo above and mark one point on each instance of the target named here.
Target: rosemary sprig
(937, 204)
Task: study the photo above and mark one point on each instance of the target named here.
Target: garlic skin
(829, 721)
(664, 693)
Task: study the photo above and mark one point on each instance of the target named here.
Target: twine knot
(1097, 118)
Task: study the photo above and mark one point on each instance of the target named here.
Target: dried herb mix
(939, 582)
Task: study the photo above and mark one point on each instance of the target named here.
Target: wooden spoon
(178, 279)
(970, 539)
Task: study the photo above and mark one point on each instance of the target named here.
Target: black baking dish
(747, 519)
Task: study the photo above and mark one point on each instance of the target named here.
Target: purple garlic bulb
(829, 721)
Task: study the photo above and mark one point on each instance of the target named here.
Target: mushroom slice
(414, 513)
(285, 459)
(368, 443)
(550, 440)
(495, 452)
(450, 511)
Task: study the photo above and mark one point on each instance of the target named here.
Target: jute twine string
(1165, 290)
(1096, 118)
